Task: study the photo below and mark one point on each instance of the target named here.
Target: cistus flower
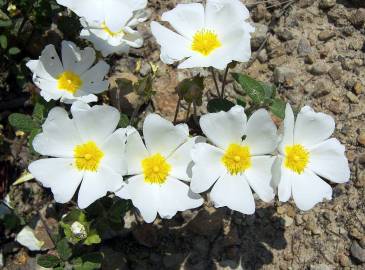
(212, 36)
(72, 79)
(158, 167)
(109, 24)
(306, 154)
(238, 161)
(85, 149)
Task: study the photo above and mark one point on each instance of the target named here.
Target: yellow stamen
(69, 81)
(296, 158)
(155, 169)
(110, 32)
(205, 42)
(87, 156)
(237, 158)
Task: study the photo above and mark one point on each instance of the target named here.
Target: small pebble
(361, 138)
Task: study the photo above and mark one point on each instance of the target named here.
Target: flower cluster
(241, 156)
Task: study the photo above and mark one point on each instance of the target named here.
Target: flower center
(237, 158)
(205, 41)
(155, 169)
(69, 81)
(110, 32)
(87, 156)
(296, 158)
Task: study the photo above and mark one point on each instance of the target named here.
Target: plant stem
(177, 110)
(187, 113)
(215, 81)
(224, 81)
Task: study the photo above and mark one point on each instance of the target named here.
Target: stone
(335, 72)
(343, 260)
(352, 97)
(357, 252)
(326, 35)
(284, 74)
(319, 68)
(284, 34)
(259, 36)
(358, 18)
(339, 14)
(263, 56)
(320, 266)
(259, 12)
(310, 58)
(288, 221)
(355, 44)
(361, 138)
(326, 4)
(321, 88)
(208, 222)
(304, 47)
(305, 3)
(358, 88)
(362, 159)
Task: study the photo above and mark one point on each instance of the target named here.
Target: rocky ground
(314, 51)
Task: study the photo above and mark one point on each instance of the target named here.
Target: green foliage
(124, 121)
(144, 88)
(217, 105)
(22, 122)
(89, 261)
(64, 250)
(48, 261)
(261, 94)
(191, 90)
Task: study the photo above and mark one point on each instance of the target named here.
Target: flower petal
(136, 151)
(144, 196)
(328, 160)
(309, 189)
(59, 136)
(114, 150)
(93, 79)
(286, 182)
(181, 162)
(161, 136)
(224, 128)
(312, 128)
(117, 14)
(174, 47)
(51, 62)
(76, 60)
(176, 196)
(95, 123)
(288, 129)
(92, 10)
(186, 19)
(259, 177)
(261, 133)
(95, 185)
(234, 192)
(59, 174)
(207, 166)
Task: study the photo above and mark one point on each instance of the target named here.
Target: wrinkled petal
(312, 128)
(136, 151)
(224, 128)
(75, 59)
(90, 9)
(261, 133)
(234, 192)
(181, 162)
(59, 136)
(328, 160)
(95, 185)
(309, 189)
(259, 177)
(207, 166)
(144, 196)
(161, 136)
(95, 123)
(59, 174)
(51, 61)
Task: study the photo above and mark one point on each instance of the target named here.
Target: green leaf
(124, 121)
(191, 90)
(278, 108)
(217, 105)
(259, 92)
(14, 51)
(22, 122)
(3, 41)
(48, 261)
(241, 102)
(91, 261)
(6, 23)
(64, 250)
(75, 215)
(38, 112)
(92, 238)
(125, 85)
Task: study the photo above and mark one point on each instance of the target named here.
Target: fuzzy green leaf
(92, 238)
(64, 250)
(3, 42)
(48, 261)
(278, 108)
(14, 51)
(22, 122)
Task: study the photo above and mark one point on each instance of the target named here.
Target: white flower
(214, 36)
(72, 79)
(108, 41)
(27, 238)
(235, 165)
(158, 166)
(114, 13)
(305, 155)
(87, 150)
